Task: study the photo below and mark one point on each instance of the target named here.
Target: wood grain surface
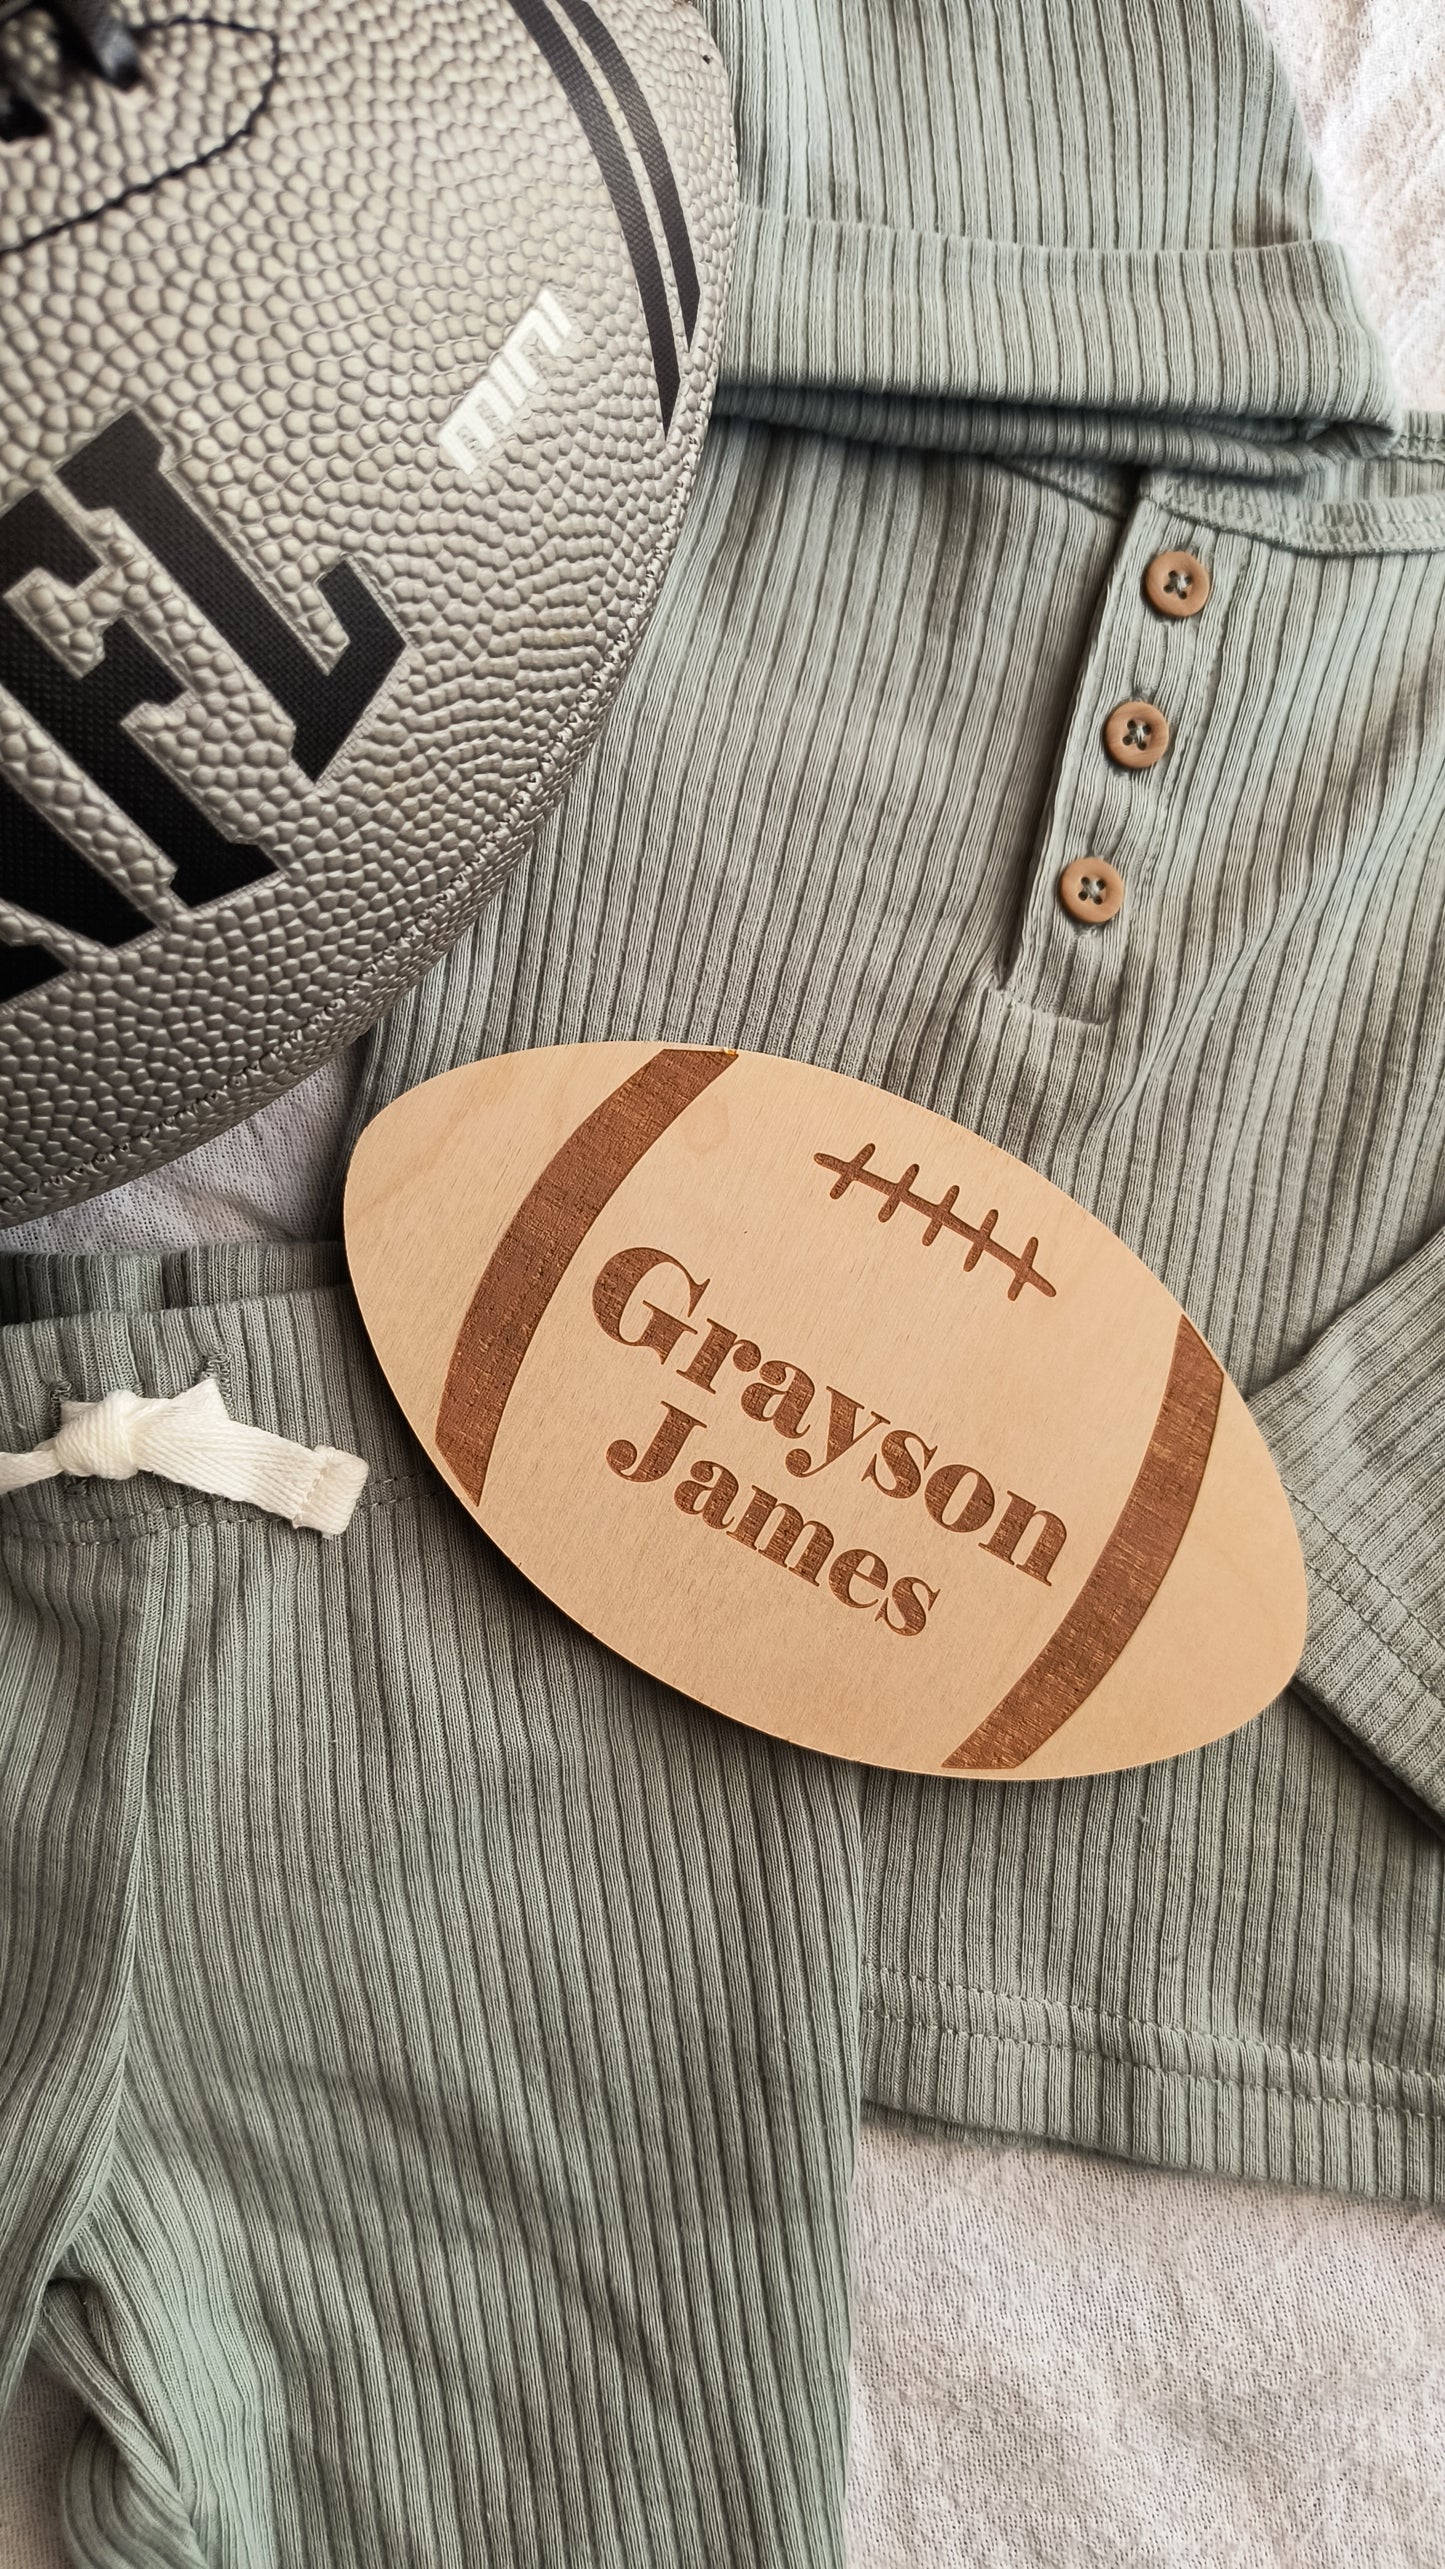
(824, 1411)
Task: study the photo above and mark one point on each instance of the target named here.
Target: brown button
(1177, 583)
(1136, 734)
(1091, 890)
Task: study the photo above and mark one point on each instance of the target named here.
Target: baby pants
(429, 2049)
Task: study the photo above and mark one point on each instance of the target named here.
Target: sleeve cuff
(1212, 359)
(1357, 1430)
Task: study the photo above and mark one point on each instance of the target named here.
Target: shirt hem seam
(1220, 2074)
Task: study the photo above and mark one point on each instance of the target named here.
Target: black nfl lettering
(41, 872)
(121, 469)
(85, 716)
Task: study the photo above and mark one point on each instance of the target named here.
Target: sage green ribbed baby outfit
(434, 2050)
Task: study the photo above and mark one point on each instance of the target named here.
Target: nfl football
(825, 1411)
(355, 361)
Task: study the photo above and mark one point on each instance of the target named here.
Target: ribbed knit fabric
(430, 2053)
(827, 821)
(1024, 228)
(437, 2049)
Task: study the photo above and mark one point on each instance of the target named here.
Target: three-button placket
(1127, 754)
(1137, 733)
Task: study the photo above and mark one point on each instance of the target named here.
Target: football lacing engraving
(898, 1191)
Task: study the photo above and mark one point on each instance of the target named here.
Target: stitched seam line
(1424, 1641)
(389, 1492)
(1024, 470)
(147, 186)
(1347, 2063)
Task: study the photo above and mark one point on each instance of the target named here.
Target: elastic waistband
(277, 1326)
(75, 1285)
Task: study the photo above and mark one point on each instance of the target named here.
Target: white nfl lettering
(469, 436)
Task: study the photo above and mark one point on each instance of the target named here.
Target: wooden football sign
(824, 1411)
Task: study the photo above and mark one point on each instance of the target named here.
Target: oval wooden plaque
(824, 1411)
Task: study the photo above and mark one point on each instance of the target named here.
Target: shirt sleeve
(974, 229)
(1357, 1430)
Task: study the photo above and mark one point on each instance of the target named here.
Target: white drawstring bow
(194, 1439)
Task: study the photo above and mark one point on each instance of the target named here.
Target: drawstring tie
(194, 1439)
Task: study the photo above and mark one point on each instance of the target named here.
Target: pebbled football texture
(353, 370)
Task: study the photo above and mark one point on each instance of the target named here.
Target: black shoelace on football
(93, 36)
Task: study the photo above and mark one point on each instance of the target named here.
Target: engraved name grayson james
(897, 1461)
(824, 1411)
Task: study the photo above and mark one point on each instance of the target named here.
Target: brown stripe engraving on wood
(1124, 1580)
(539, 1243)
